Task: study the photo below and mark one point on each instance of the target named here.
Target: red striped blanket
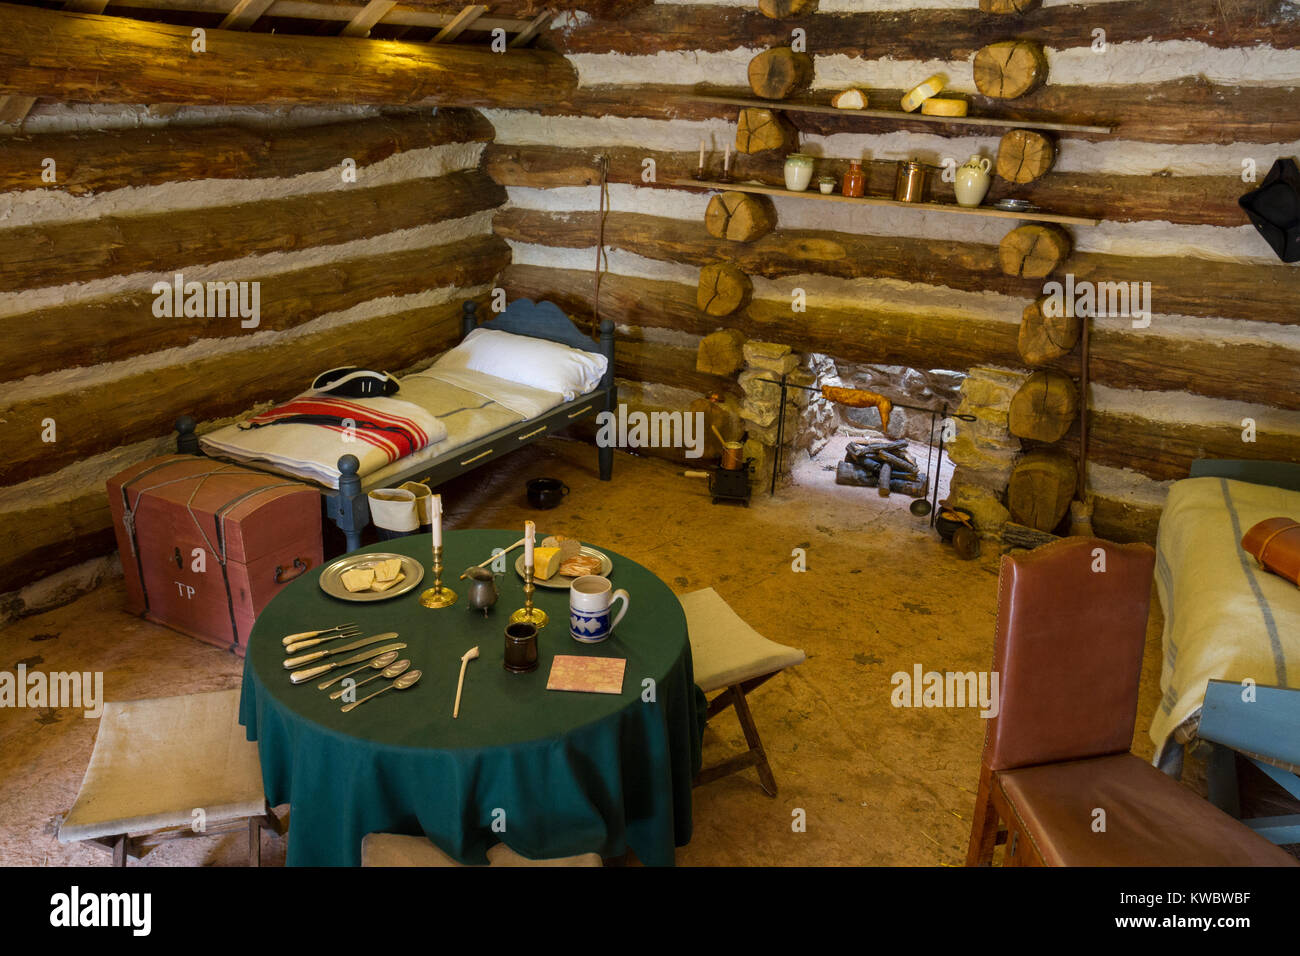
(375, 421)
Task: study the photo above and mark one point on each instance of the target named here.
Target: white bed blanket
(1225, 617)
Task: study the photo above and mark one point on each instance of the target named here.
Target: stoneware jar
(826, 184)
(972, 182)
(798, 172)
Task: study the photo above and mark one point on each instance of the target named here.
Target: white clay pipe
(468, 656)
(495, 556)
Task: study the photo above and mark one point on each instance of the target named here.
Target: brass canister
(910, 185)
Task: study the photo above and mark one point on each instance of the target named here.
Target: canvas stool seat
(394, 849)
(155, 762)
(728, 653)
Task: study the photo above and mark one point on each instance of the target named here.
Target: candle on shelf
(530, 533)
(436, 513)
(701, 158)
(726, 161)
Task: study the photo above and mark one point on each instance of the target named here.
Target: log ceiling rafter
(99, 59)
(14, 109)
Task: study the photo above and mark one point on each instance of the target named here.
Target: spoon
(383, 660)
(403, 682)
(392, 670)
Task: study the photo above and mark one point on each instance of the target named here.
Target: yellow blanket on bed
(1225, 617)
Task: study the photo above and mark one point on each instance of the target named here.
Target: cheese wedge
(943, 106)
(851, 99)
(546, 562)
(385, 585)
(358, 579)
(922, 92)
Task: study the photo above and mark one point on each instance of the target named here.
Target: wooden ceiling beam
(526, 36)
(459, 23)
(371, 13)
(244, 14)
(97, 59)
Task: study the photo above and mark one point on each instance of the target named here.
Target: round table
(549, 773)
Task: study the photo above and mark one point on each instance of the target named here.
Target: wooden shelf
(812, 193)
(897, 115)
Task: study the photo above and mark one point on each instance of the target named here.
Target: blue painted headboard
(541, 320)
(1279, 474)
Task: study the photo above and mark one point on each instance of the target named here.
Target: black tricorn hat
(1274, 208)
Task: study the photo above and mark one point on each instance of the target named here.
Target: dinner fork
(303, 635)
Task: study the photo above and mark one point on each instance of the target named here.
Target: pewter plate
(331, 577)
(560, 582)
(1015, 205)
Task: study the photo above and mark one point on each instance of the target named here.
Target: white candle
(726, 161)
(530, 532)
(436, 512)
(701, 156)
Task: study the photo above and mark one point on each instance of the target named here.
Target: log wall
(1199, 94)
(362, 230)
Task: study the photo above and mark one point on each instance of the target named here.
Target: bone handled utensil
(380, 662)
(303, 645)
(304, 635)
(386, 669)
(468, 656)
(402, 683)
(304, 675)
(486, 561)
(291, 662)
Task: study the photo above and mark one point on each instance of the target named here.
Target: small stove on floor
(728, 484)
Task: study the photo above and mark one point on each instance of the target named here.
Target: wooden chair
(731, 656)
(392, 849)
(156, 764)
(1056, 766)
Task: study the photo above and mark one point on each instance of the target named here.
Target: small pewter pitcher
(482, 589)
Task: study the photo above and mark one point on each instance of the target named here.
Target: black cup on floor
(546, 493)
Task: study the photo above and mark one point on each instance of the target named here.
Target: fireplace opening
(850, 447)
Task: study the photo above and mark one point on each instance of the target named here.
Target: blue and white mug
(590, 599)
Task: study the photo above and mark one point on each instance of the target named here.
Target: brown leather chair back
(1068, 651)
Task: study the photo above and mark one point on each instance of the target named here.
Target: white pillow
(549, 366)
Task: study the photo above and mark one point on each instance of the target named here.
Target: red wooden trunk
(205, 545)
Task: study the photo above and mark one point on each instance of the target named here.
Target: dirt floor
(875, 784)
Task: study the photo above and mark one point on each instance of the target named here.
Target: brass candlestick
(437, 596)
(533, 615)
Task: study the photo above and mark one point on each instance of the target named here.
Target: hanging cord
(602, 163)
(1083, 415)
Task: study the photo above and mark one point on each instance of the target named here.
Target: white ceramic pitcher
(973, 181)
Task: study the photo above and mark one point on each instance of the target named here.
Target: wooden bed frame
(349, 508)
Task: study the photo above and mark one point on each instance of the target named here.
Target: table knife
(291, 662)
(299, 676)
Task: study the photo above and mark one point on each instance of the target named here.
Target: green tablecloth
(563, 773)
